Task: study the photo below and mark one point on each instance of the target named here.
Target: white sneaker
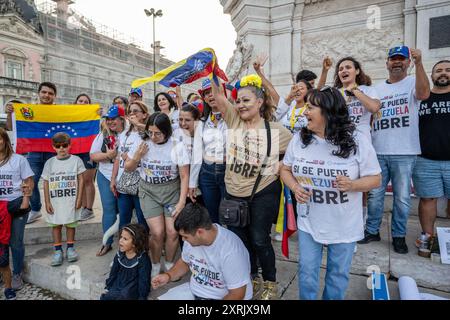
(156, 269)
(33, 216)
(86, 214)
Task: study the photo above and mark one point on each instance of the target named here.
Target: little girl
(129, 278)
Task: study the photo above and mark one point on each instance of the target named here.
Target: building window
(14, 69)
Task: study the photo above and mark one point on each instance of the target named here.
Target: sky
(186, 26)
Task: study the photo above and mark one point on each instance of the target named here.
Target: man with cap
(135, 95)
(395, 137)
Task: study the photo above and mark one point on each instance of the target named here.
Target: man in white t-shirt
(217, 258)
(395, 137)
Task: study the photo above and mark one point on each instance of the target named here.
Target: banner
(199, 65)
(34, 125)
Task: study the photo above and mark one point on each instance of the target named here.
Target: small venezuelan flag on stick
(286, 223)
(34, 125)
(199, 65)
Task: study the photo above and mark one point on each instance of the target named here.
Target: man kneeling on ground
(216, 257)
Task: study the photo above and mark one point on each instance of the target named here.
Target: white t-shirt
(180, 136)
(220, 267)
(210, 143)
(358, 113)
(160, 164)
(105, 167)
(395, 129)
(290, 117)
(174, 115)
(12, 174)
(126, 143)
(63, 187)
(334, 216)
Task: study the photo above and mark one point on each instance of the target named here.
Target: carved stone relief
(364, 45)
(240, 61)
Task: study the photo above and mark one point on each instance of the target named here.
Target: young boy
(63, 189)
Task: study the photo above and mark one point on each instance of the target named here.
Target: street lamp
(154, 14)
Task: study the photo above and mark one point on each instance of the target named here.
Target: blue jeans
(16, 243)
(109, 204)
(339, 261)
(212, 185)
(399, 169)
(127, 203)
(37, 161)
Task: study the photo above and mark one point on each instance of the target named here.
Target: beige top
(247, 150)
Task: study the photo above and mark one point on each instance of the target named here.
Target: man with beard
(432, 172)
(395, 138)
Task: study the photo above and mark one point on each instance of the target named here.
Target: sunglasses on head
(325, 88)
(59, 145)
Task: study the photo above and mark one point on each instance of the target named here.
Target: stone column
(410, 23)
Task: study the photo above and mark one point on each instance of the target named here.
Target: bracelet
(170, 278)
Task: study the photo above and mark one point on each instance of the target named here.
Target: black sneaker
(399, 244)
(368, 237)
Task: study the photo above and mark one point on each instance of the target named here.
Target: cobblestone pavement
(31, 292)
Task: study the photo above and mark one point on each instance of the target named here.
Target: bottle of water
(303, 208)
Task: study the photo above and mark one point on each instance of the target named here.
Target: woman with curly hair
(251, 135)
(328, 166)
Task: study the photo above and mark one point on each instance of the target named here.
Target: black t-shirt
(434, 127)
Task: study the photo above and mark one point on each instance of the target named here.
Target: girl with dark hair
(89, 175)
(104, 151)
(163, 188)
(129, 278)
(248, 166)
(189, 116)
(289, 111)
(355, 86)
(328, 167)
(208, 155)
(165, 104)
(128, 139)
(16, 179)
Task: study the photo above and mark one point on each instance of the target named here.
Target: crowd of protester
(177, 166)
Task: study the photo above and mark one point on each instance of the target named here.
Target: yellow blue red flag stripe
(35, 125)
(199, 65)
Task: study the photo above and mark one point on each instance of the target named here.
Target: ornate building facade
(298, 34)
(54, 43)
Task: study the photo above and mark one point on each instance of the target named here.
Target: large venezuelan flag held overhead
(35, 125)
(199, 65)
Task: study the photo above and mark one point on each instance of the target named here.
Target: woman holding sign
(328, 166)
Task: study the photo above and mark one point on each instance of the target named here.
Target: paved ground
(32, 292)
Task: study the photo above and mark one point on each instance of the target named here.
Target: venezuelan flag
(199, 65)
(35, 125)
(286, 223)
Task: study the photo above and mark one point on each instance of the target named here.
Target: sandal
(104, 250)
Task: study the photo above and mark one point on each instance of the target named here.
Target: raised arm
(221, 100)
(422, 83)
(258, 65)
(327, 63)
(179, 97)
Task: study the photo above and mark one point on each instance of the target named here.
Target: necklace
(295, 116)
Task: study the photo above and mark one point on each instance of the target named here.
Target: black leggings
(256, 237)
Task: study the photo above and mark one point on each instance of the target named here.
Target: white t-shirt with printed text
(395, 129)
(334, 216)
(12, 174)
(63, 188)
(160, 164)
(290, 117)
(105, 167)
(220, 267)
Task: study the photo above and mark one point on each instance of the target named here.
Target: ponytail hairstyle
(192, 110)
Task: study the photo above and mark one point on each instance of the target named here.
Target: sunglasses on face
(135, 111)
(59, 145)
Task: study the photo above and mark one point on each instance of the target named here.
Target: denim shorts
(88, 164)
(431, 178)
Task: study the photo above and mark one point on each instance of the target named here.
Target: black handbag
(236, 212)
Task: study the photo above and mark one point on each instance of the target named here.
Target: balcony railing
(19, 84)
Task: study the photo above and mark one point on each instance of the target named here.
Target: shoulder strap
(264, 164)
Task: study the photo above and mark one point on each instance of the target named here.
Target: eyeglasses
(135, 111)
(59, 145)
(154, 134)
